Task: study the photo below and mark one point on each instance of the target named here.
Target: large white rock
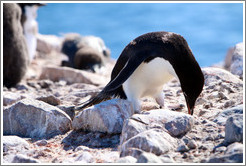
(234, 60)
(234, 129)
(33, 118)
(13, 142)
(213, 74)
(175, 123)
(106, 117)
(71, 75)
(154, 140)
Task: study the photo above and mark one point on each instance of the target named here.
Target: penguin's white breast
(149, 78)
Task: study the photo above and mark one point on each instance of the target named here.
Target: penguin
(30, 25)
(87, 58)
(146, 64)
(85, 52)
(15, 53)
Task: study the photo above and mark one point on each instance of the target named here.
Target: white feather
(30, 30)
(148, 80)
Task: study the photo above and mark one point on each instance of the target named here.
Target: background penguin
(15, 53)
(85, 53)
(88, 58)
(30, 26)
(146, 64)
(70, 47)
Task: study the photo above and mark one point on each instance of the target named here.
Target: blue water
(209, 28)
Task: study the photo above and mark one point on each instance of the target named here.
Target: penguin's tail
(100, 97)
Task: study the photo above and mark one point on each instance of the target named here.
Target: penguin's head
(192, 87)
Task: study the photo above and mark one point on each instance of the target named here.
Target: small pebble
(182, 148)
(192, 144)
(220, 149)
(42, 142)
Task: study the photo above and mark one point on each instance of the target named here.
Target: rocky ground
(40, 124)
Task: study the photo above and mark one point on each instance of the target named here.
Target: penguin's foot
(160, 99)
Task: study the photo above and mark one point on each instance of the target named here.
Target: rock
(85, 157)
(234, 60)
(234, 158)
(33, 118)
(192, 144)
(106, 117)
(213, 74)
(20, 158)
(154, 140)
(50, 99)
(148, 158)
(234, 129)
(217, 95)
(72, 76)
(127, 159)
(42, 142)
(15, 53)
(10, 98)
(222, 117)
(234, 148)
(134, 152)
(81, 148)
(132, 127)
(13, 141)
(221, 149)
(47, 43)
(182, 148)
(175, 123)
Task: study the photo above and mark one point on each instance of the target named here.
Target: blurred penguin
(85, 53)
(15, 53)
(30, 25)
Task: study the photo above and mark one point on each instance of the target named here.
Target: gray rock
(182, 148)
(127, 159)
(234, 129)
(19, 158)
(13, 141)
(134, 152)
(234, 60)
(220, 149)
(72, 76)
(42, 142)
(85, 157)
(192, 144)
(50, 99)
(154, 140)
(106, 117)
(10, 98)
(234, 148)
(234, 158)
(148, 158)
(33, 118)
(132, 127)
(213, 74)
(222, 117)
(175, 123)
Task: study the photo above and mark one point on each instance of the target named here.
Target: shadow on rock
(91, 140)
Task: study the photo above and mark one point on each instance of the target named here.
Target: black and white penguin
(146, 64)
(30, 25)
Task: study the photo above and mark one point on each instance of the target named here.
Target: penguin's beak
(190, 110)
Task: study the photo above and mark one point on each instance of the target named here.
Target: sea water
(209, 28)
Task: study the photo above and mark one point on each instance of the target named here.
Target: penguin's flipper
(111, 88)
